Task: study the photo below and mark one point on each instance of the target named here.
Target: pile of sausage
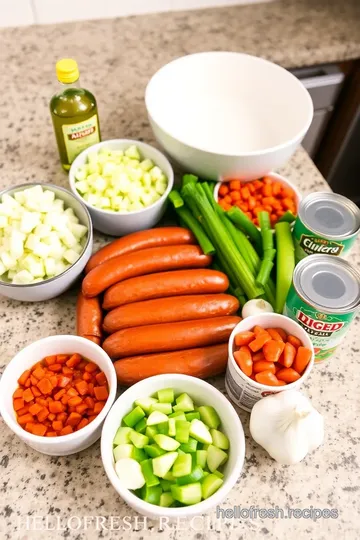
(151, 302)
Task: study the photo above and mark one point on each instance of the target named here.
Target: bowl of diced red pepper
(272, 193)
(56, 393)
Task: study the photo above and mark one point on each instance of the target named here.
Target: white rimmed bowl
(204, 394)
(242, 390)
(227, 113)
(52, 287)
(122, 223)
(274, 176)
(25, 359)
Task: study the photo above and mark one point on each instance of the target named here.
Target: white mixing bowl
(225, 113)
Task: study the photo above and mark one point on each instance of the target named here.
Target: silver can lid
(330, 215)
(328, 283)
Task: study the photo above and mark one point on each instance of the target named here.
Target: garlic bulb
(256, 307)
(287, 426)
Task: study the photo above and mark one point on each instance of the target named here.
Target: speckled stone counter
(49, 498)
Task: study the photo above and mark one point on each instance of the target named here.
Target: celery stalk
(285, 263)
(241, 220)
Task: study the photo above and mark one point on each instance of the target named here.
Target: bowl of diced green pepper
(172, 445)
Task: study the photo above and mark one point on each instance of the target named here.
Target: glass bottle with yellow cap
(74, 114)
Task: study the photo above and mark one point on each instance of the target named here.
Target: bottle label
(79, 136)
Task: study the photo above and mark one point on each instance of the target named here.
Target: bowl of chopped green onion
(172, 445)
(124, 184)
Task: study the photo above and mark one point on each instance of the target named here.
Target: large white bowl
(122, 223)
(203, 393)
(25, 359)
(52, 287)
(226, 113)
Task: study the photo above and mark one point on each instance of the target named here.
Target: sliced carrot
(57, 425)
(51, 417)
(56, 407)
(66, 430)
(274, 334)
(39, 373)
(242, 358)
(34, 409)
(28, 383)
(223, 189)
(101, 377)
(89, 402)
(235, 195)
(59, 394)
(74, 360)
(263, 365)
(54, 380)
(39, 429)
(235, 184)
(18, 393)
(91, 389)
(73, 419)
(81, 408)
(101, 392)
(84, 422)
(50, 360)
(61, 417)
(25, 418)
(44, 386)
(99, 405)
(288, 375)
(87, 376)
(43, 414)
(41, 401)
(267, 378)
(67, 371)
(36, 392)
(72, 392)
(28, 426)
(63, 381)
(55, 367)
(295, 342)
(28, 395)
(258, 356)
(23, 410)
(90, 367)
(74, 401)
(258, 330)
(18, 403)
(92, 417)
(51, 434)
(303, 357)
(62, 358)
(243, 338)
(282, 333)
(272, 350)
(288, 356)
(260, 341)
(24, 377)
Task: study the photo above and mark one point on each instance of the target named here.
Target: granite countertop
(117, 57)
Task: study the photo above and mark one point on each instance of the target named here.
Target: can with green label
(327, 224)
(324, 298)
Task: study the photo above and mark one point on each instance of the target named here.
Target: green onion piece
(220, 238)
(264, 272)
(269, 254)
(288, 216)
(176, 199)
(285, 263)
(196, 228)
(241, 220)
(189, 179)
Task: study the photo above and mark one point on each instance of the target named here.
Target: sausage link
(163, 284)
(94, 339)
(162, 236)
(88, 316)
(201, 362)
(140, 263)
(169, 337)
(171, 309)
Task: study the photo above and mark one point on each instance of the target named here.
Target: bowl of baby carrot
(272, 193)
(56, 393)
(268, 353)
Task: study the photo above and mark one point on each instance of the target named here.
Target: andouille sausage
(162, 236)
(141, 263)
(88, 316)
(163, 284)
(169, 337)
(94, 339)
(171, 309)
(201, 362)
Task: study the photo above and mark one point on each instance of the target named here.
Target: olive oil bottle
(74, 114)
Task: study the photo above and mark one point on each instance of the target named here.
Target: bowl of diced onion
(124, 184)
(45, 241)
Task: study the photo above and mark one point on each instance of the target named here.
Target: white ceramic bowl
(273, 175)
(52, 287)
(65, 444)
(241, 389)
(122, 223)
(226, 113)
(203, 393)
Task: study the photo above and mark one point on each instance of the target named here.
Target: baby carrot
(244, 338)
(288, 375)
(272, 350)
(267, 377)
(274, 334)
(263, 365)
(260, 341)
(244, 360)
(294, 341)
(303, 357)
(289, 355)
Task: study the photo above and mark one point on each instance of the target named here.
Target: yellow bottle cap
(67, 70)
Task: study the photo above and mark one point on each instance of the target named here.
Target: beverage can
(324, 298)
(327, 224)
